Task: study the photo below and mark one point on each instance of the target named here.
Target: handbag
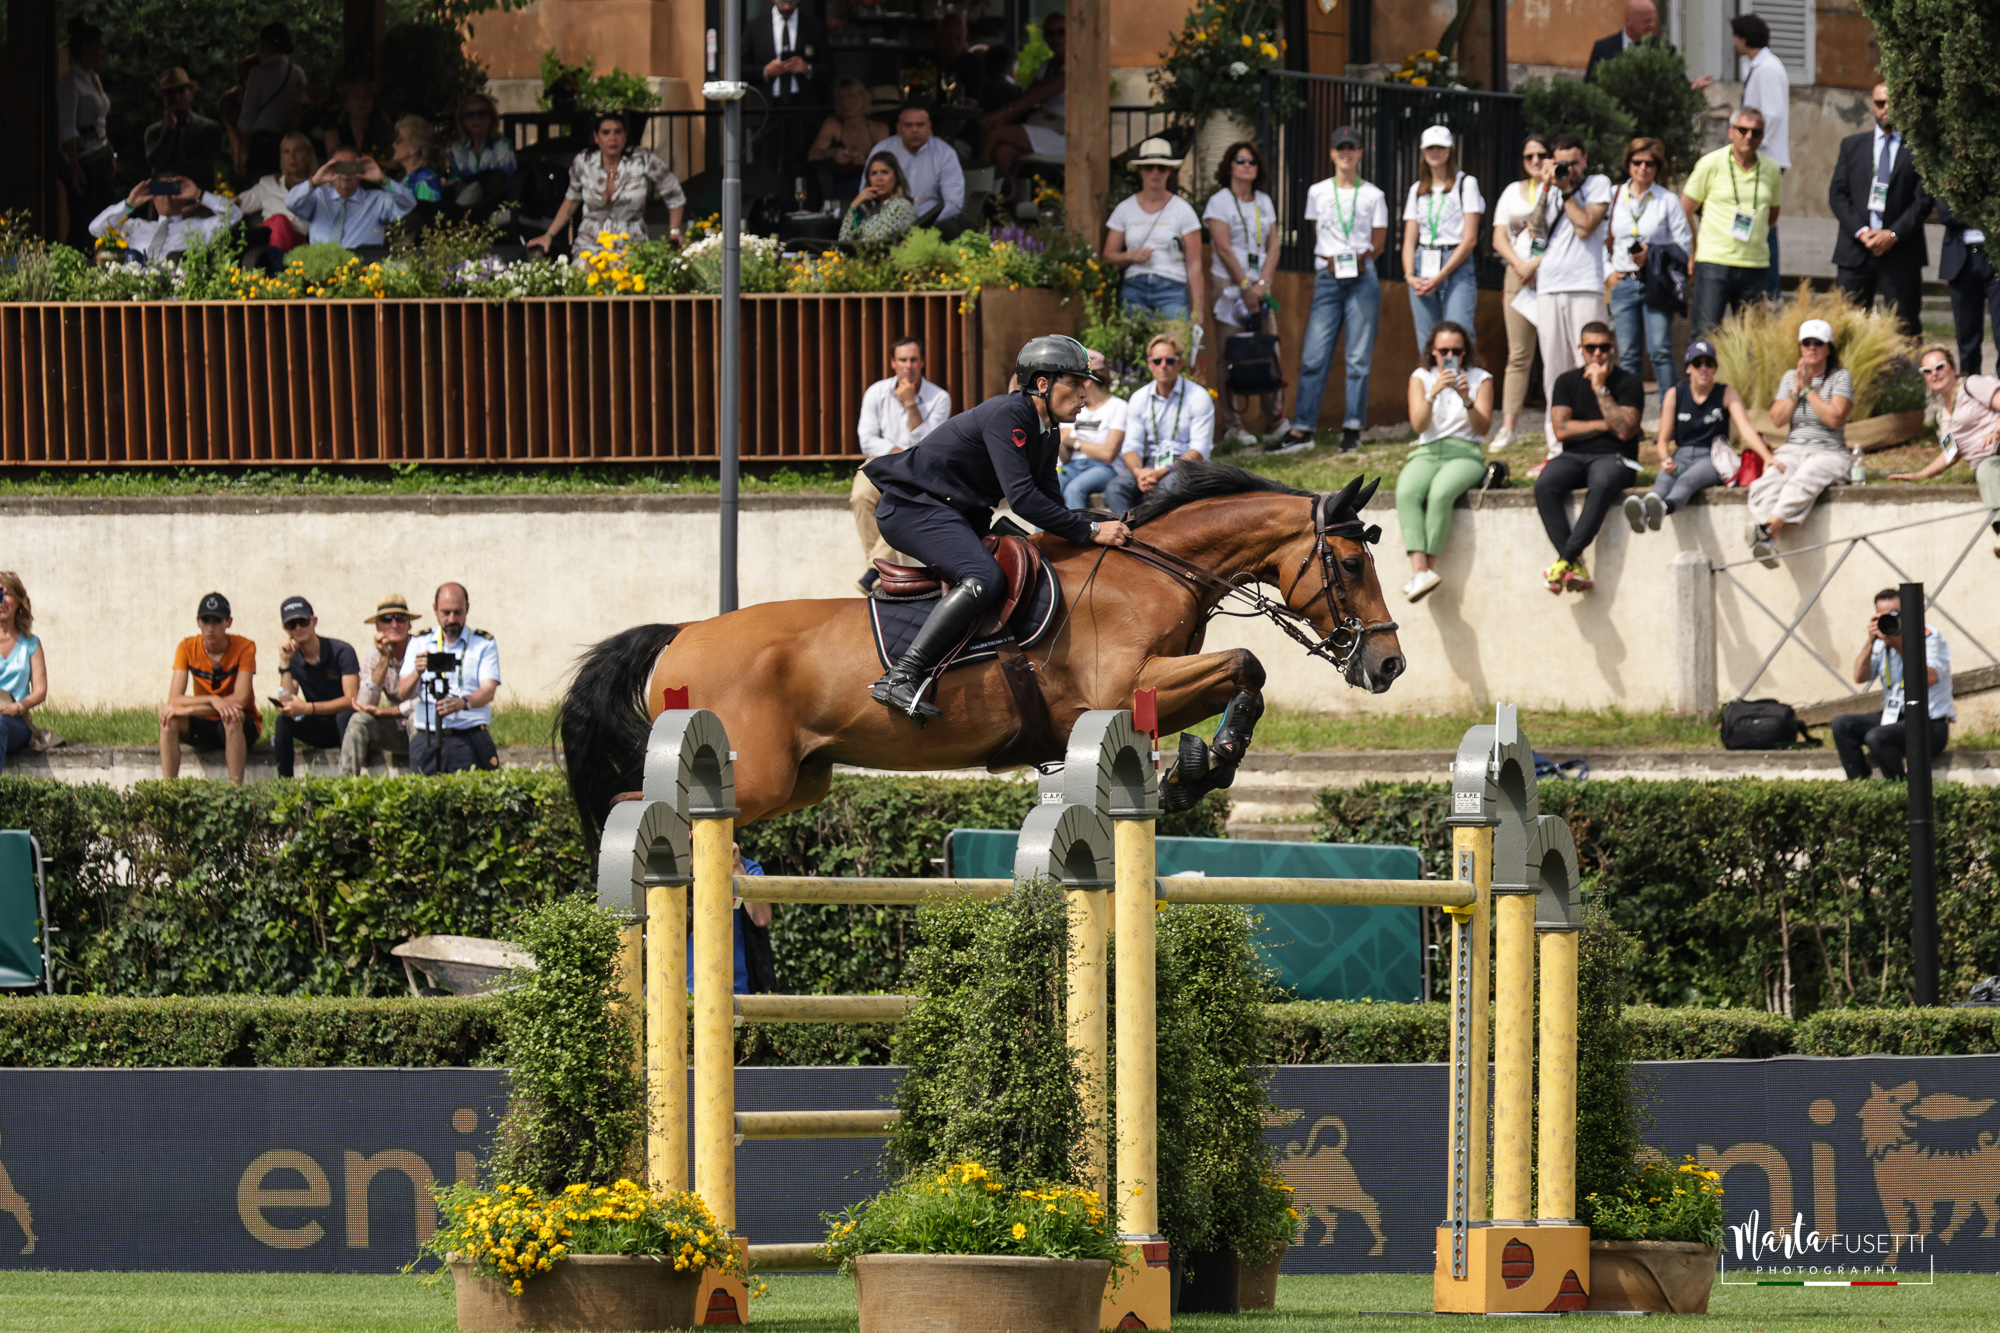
(1253, 363)
(1763, 724)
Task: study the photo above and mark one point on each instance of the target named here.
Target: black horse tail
(604, 723)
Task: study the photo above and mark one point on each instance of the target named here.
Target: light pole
(729, 90)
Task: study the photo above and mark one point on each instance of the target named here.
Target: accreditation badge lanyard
(1637, 210)
(1430, 256)
(1253, 231)
(1347, 264)
(1878, 189)
(1740, 225)
(1892, 695)
(1163, 446)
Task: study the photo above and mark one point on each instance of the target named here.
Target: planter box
(1007, 320)
(1217, 1282)
(1665, 1276)
(572, 379)
(589, 1292)
(976, 1293)
(1869, 435)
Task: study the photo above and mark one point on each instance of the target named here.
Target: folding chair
(24, 914)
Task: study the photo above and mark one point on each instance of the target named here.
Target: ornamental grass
(1756, 346)
(966, 1209)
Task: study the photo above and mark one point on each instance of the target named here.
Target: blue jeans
(1123, 492)
(1696, 474)
(1720, 290)
(1356, 305)
(1775, 281)
(14, 735)
(1456, 299)
(1642, 328)
(1082, 475)
(1150, 291)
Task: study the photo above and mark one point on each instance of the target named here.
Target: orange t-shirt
(208, 677)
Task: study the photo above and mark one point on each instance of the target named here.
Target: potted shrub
(965, 1251)
(1654, 1243)
(561, 1239)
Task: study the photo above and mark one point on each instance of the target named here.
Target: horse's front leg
(1192, 690)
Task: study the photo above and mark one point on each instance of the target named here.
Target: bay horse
(790, 680)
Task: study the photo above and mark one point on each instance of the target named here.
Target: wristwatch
(1095, 528)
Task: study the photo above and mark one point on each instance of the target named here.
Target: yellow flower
(1246, 39)
(1020, 1230)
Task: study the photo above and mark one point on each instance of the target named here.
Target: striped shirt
(1807, 429)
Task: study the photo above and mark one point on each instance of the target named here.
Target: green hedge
(1786, 896)
(290, 888)
(93, 1032)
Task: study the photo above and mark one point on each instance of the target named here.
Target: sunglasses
(1881, 103)
(1244, 161)
(1347, 148)
(1163, 361)
(1534, 157)
(1938, 369)
(392, 620)
(5, 594)
(1702, 363)
(1641, 162)
(1598, 349)
(1811, 342)
(1746, 131)
(295, 624)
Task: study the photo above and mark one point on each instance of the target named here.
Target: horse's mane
(1205, 480)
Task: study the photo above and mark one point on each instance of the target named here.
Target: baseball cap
(1437, 136)
(295, 608)
(1699, 347)
(1346, 136)
(1816, 328)
(215, 604)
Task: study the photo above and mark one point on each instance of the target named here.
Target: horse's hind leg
(1193, 689)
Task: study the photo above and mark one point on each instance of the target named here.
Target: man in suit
(1975, 291)
(1642, 23)
(1881, 206)
(786, 57)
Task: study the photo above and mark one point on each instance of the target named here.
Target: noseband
(1340, 645)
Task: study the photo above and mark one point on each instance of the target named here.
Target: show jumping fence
(1515, 884)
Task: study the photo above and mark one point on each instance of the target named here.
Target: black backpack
(1252, 359)
(1763, 724)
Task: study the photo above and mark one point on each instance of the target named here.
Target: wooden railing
(453, 381)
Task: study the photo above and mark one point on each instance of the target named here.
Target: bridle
(1342, 644)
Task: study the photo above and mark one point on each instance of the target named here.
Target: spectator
(755, 968)
(274, 88)
(420, 157)
(481, 162)
(1642, 20)
(1520, 238)
(1152, 235)
(1975, 290)
(82, 109)
(1035, 121)
(848, 136)
(961, 68)
(786, 57)
(1594, 415)
(1645, 214)
(998, 88)
(1451, 405)
(358, 124)
(1968, 427)
(931, 170)
(609, 184)
(181, 143)
(1693, 443)
(1881, 659)
(1166, 421)
(1350, 221)
(453, 696)
(1880, 206)
(1814, 399)
(211, 703)
(265, 201)
(1767, 87)
(1242, 231)
(174, 223)
(381, 709)
(1092, 444)
(1440, 225)
(1732, 257)
(882, 213)
(896, 414)
(317, 681)
(24, 667)
(1569, 285)
(337, 211)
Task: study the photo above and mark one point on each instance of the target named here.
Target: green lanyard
(1756, 184)
(1434, 216)
(1354, 211)
(1639, 211)
(1180, 400)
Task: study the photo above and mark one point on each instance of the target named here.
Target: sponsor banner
(1834, 1166)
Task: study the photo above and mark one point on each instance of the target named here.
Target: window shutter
(1794, 32)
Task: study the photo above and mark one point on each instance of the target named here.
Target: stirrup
(906, 697)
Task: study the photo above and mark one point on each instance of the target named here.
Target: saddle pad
(897, 623)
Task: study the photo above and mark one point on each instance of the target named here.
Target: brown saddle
(1020, 565)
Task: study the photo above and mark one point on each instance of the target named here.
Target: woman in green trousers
(1451, 405)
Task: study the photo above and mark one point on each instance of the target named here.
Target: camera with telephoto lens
(1565, 170)
(1890, 624)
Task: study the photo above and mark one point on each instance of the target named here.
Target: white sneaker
(1298, 448)
(1501, 440)
(1656, 510)
(1241, 438)
(1635, 513)
(1422, 585)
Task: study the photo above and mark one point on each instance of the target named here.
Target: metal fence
(1390, 118)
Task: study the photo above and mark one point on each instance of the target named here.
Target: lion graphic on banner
(12, 1203)
(1913, 1178)
(1326, 1185)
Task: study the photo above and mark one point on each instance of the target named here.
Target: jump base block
(1515, 1269)
(1144, 1298)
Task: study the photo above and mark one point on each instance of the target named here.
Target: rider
(937, 500)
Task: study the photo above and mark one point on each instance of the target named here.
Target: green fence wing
(20, 911)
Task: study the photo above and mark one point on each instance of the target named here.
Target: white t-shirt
(1250, 230)
(1655, 217)
(1440, 218)
(1159, 232)
(1093, 425)
(1515, 209)
(1449, 417)
(1574, 263)
(1346, 219)
(1768, 87)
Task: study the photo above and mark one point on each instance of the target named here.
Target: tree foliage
(1650, 83)
(1941, 60)
(1565, 106)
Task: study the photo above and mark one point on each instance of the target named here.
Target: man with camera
(452, 674)
(1569, 285)
(337, 211)
(1881, 660)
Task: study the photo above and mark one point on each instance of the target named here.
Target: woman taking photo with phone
(1644, 213)
(1451, 405)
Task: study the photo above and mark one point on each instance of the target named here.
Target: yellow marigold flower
(1020, 1230)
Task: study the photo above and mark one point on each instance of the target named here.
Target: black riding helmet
(1052, 354)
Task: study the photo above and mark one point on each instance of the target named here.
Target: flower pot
(583, 1292)
(978, 1293)
(1884, 431)
(1205, 1282)
(1666, 1276)
(1257, 1288)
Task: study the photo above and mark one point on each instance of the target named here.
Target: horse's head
(1328, 575)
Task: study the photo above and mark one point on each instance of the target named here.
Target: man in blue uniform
(937, 500)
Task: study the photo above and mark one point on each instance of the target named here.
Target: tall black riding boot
(900, 685)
